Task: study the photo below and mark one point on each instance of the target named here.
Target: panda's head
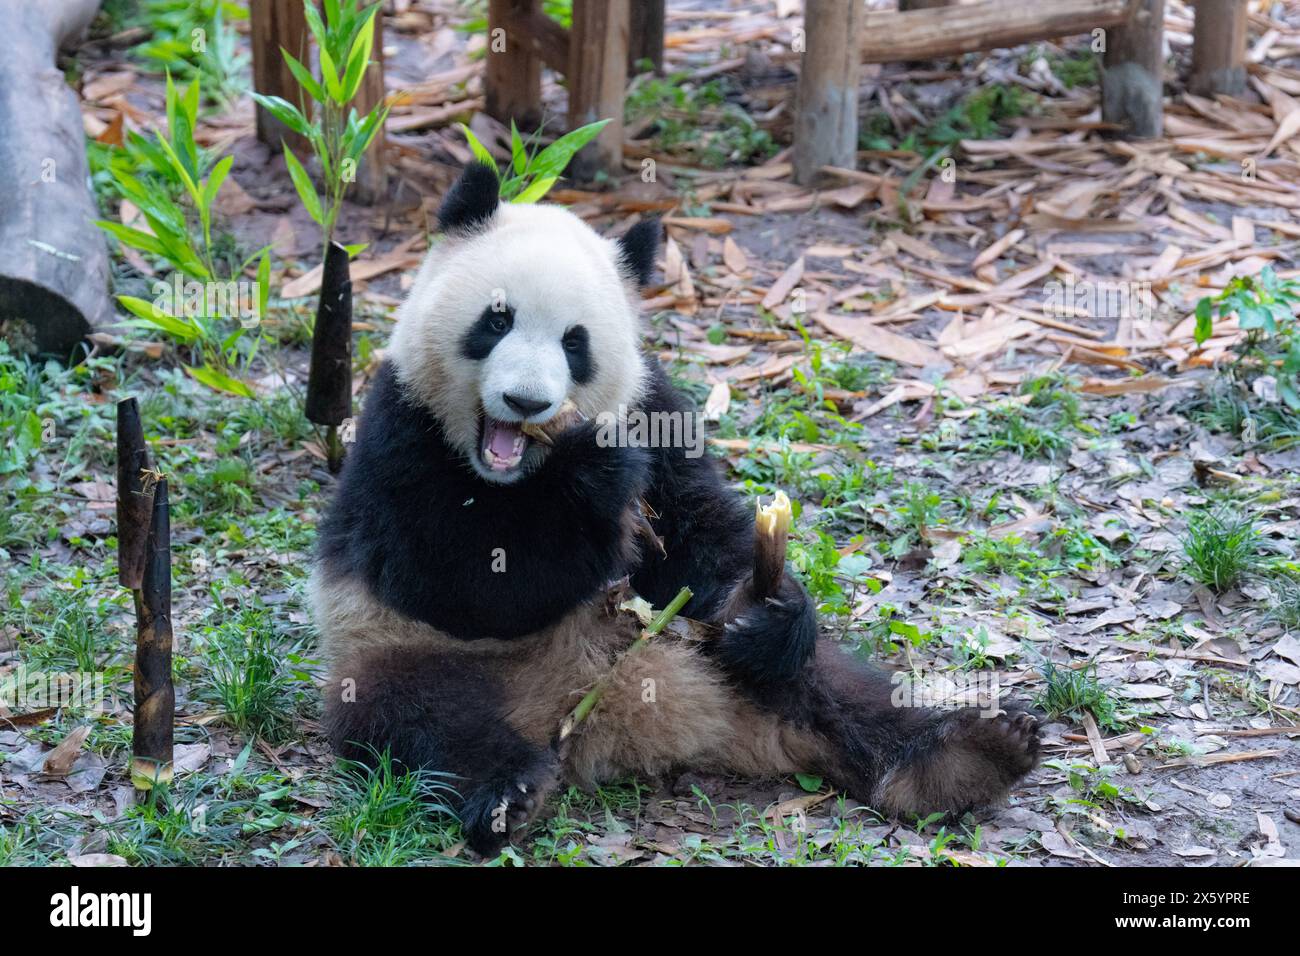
(520, 308)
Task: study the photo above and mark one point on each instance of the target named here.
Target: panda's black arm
(708, 536)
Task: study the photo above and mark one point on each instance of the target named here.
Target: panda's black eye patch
(577, 350)
(490, 328)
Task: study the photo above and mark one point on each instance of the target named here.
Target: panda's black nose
(524, 406)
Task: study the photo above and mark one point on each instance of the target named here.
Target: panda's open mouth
(502, 445)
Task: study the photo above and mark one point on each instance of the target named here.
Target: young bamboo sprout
(329, 383)
(155, 697)
(134, 502)
(771, 535)
(592, 697)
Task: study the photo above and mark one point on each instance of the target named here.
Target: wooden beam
(1132, 76)
(890, 36)
(1219, 48)
(646, 35)
(275, 24)
(597, 78)
(826, 122)
(922, 4)
(543, 38)
(513, 75)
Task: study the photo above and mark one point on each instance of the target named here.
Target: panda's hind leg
(912, 760)
(439, 711)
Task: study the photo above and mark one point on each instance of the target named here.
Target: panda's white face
(502, 325)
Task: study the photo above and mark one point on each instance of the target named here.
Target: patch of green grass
(1220, 547)
(66, 628)
(1009, 554)
(1072, 692)
(698, 120)
(247, 673)
(383, 816)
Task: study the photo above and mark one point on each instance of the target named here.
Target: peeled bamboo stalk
(155, 697)
(592, 697)
(771, 536)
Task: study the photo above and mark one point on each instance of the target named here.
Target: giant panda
(462, 567)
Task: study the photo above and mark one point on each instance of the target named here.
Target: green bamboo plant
(338, 136)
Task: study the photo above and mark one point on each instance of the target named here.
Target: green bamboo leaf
(478, 149)
(213, 184)
(132, 237)
(284, 111)
(359, 59)
(219, 381)
(538, 189)
(553, 160)
(330, 77)
(303, 76)
(1204, 321)
(302, 183)
(263, 284)
(155, 317)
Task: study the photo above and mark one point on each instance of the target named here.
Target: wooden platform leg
(1132, 80)
(513, 77)
(598, 45)
(826, 125)
(275, 24)
(646, 35)
(372, 175)
(1219, 48)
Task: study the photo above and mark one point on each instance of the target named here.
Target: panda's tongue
(501, 439)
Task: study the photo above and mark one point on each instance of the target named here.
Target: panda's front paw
(494, 811)
(600, 475)
(767, 641)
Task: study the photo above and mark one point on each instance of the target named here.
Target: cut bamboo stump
(1219, 48)
(826, 125)
(329, 380)
(155, 697)
(276, 24)
(54, 274)
(1132, 78)
(134, 499)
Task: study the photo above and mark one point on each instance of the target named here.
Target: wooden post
(372, 175)
(275, 24)
(826, 123)
(513, 75)
(155, 697)
(598, 45)
(1219, 48)
(1132, 79)
(646, 35)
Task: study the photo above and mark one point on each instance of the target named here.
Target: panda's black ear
(637, 248)
(471, 201)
